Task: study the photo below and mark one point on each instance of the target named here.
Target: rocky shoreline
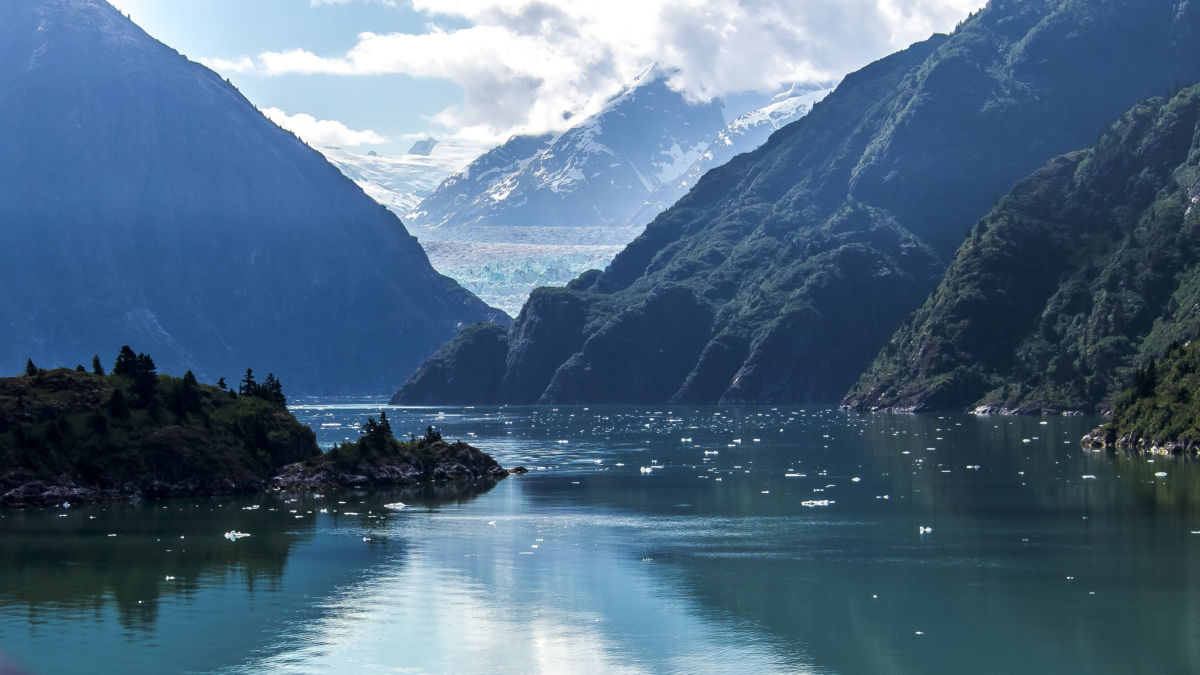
(439, 462)
(448, 463)
(1100, 439)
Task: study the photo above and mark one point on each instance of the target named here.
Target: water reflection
(646, 539)
(131, 580)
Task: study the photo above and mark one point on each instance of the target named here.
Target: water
(770, 540)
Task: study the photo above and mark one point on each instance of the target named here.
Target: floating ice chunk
(924, 529)
(394, 506)
(856, 479)
(645, 469)
(1160, 474)
(810, 503)
(1088, 476)
(169, 578)
(233, 535)
(366, 539)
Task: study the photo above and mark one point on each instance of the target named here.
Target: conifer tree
(97, 367)
(30, 369)
(126, 363)
(248, 387)
(117, 407)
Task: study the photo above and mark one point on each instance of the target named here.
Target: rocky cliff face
(144, 201)
(801, 258)
(1087, 271)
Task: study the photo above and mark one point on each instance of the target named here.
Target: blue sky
(375, 74)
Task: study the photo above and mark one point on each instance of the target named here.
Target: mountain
(146, 202)
(539, 210)
(1161, 411)
(400, 183)
(782, 273)
(1086, 272)
(745, 133)
(592, 175)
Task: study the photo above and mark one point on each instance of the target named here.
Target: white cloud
(323, 132)
(243, 64)
(318, 3)
(523, 64)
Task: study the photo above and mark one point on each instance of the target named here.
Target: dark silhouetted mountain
(1086, 272)
(145, 201)
(783, 272)
(474, 358)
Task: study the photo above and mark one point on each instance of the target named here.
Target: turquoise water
(645, 539)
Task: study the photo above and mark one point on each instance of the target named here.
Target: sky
(379, 74)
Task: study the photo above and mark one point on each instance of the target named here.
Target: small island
(1161, 412)
(78, 435)
(377, 458)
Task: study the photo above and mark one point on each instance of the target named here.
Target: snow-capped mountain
(595, 174)
(400, 183)
(539, 210)
(745, 133)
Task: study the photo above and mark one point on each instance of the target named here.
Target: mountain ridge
(1084, 273)
(808, 252)
(150, 203)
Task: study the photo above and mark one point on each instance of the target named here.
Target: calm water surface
(645, 539)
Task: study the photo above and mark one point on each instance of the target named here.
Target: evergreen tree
(385, 427)
(221, 384)
(79, 368)
(30, 369)
(126, 363)
(248, 387)
(97, 367)
(190, 392)
(117, 407)
(272, 390)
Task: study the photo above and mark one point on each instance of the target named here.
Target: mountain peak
(148, 203)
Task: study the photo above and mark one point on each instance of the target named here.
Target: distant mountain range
(539, 210)
(144, 201)
(400, 183)
(782, 273)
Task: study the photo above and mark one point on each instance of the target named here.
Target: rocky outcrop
(400, 464)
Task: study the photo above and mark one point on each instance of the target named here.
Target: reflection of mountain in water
(57, 561)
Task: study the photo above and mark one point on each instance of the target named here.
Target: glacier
(540, 210)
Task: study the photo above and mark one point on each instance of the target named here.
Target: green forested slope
(1082, 274)
(782, 273)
